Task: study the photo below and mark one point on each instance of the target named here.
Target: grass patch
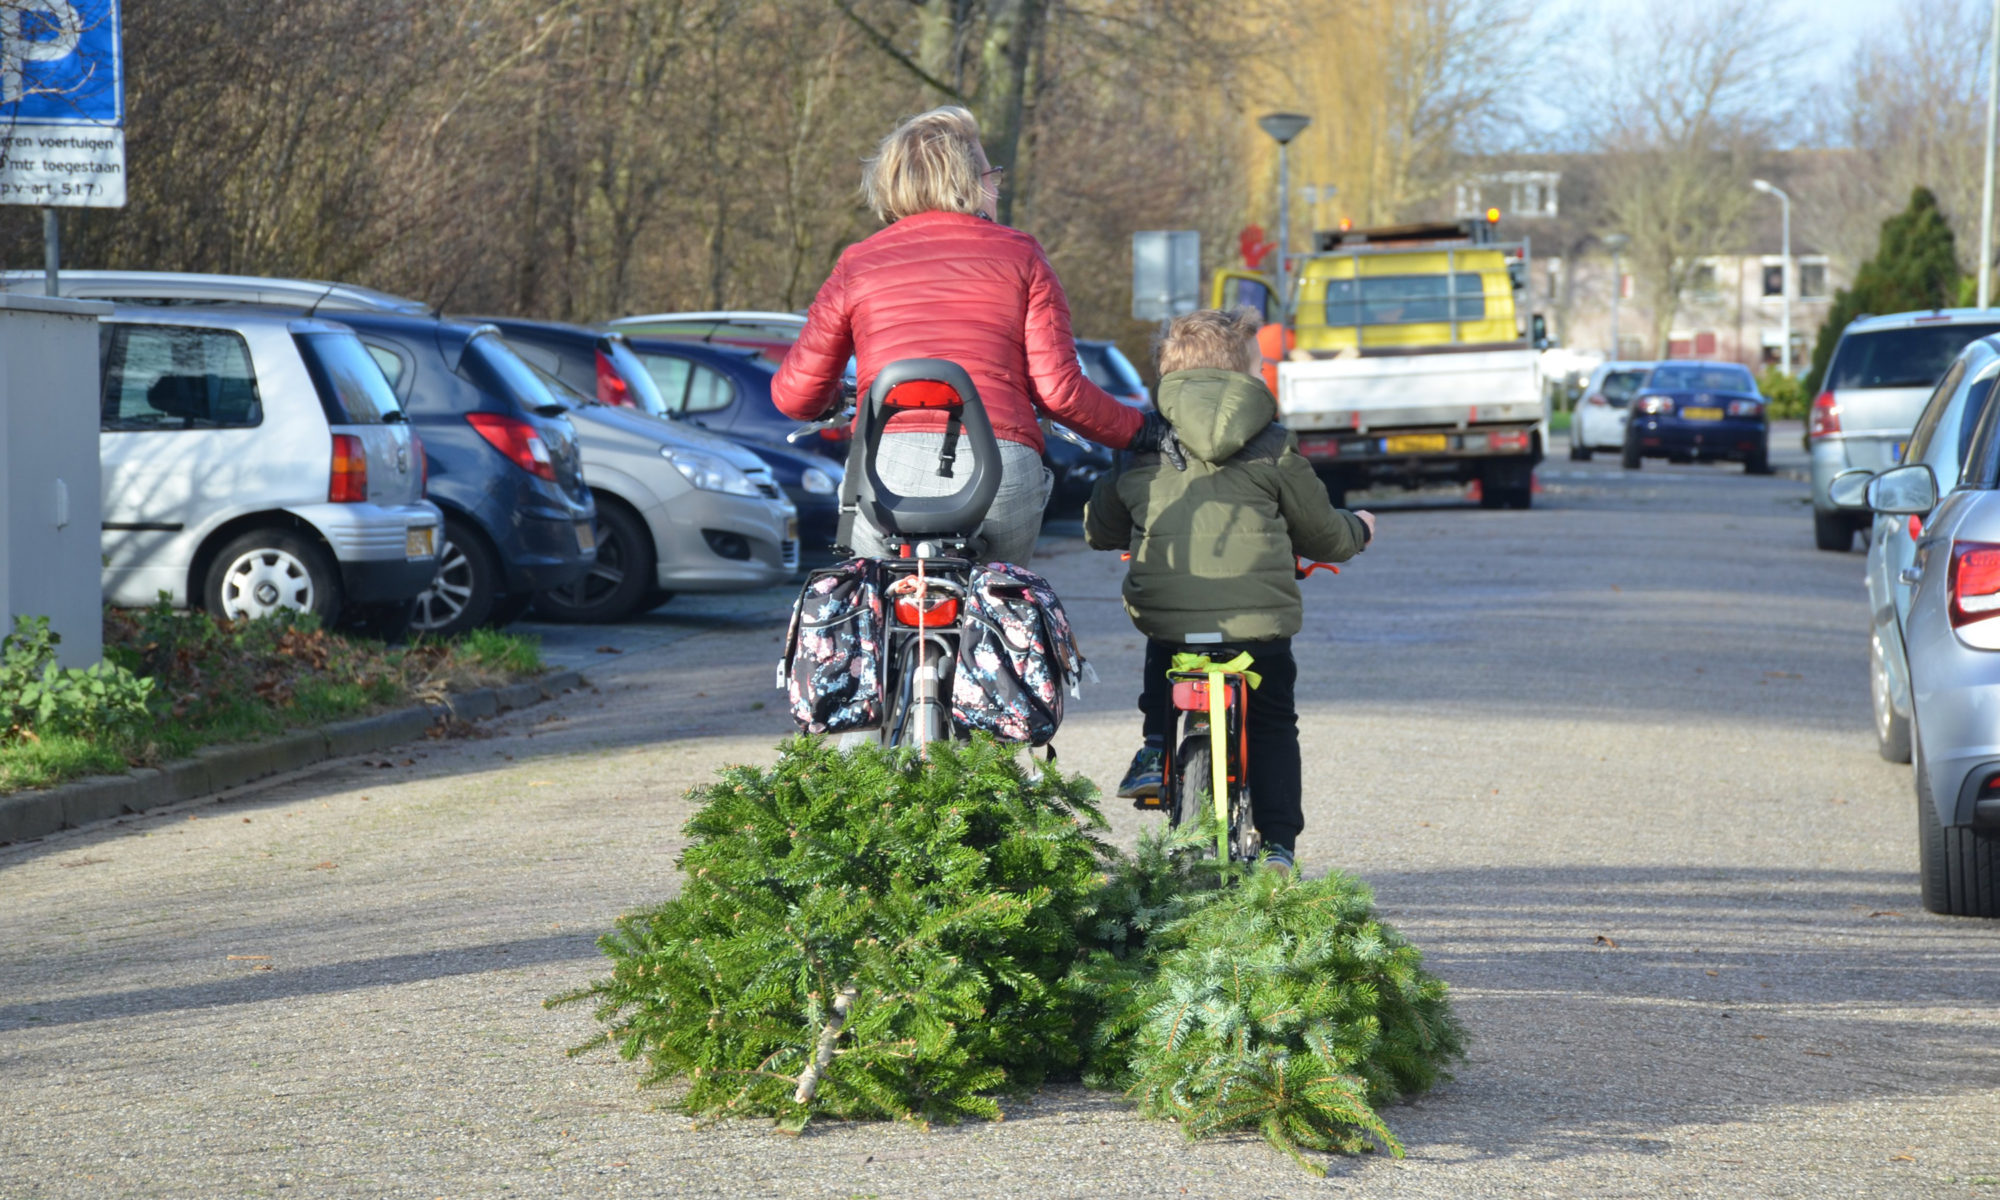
(1559, 422)
(204, 681)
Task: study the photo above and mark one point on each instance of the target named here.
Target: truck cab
(1401, 357)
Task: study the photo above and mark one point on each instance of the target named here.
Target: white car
(1599, 420)
(257, 462)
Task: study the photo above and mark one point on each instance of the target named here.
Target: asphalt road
(1607, 761)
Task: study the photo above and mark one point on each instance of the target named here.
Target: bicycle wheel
(1244, 842)
(1189, 794)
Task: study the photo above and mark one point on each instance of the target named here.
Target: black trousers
(1273, 733)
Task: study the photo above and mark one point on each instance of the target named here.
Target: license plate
(1414, 443)
(1702, 414)
(586, 537)
(417, 542)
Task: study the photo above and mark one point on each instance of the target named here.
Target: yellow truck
(1406, 358)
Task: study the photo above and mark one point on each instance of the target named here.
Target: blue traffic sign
(60, 63)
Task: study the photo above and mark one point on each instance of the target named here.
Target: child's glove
(1156, 435)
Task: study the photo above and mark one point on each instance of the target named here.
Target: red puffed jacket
(958, 287)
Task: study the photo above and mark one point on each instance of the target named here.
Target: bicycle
(935, 539)
(1208, 743)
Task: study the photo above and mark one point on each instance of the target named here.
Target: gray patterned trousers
(908, 462)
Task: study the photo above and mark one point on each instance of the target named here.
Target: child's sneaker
(1279, 858)
(1142, 778)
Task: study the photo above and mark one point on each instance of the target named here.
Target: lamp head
(1283, 126)
(1764, 186)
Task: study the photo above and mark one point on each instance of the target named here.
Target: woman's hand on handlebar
(1368, 519)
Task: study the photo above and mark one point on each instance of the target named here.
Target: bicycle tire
(1189, 793)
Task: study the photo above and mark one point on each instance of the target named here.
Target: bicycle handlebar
(1301, 568)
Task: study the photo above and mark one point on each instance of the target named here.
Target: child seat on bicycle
(1215, 521)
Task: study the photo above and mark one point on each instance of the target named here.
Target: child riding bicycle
(1215, 520)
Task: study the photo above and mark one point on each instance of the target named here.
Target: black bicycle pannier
(1016, 657)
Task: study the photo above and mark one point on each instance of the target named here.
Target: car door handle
(1911, 575)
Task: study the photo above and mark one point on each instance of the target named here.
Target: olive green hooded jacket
(1213, 540)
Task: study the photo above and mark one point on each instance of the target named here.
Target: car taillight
(611, 386)
(1825, 418)
(1975, 582)
(1654, 406)
(517, 440)
(1502, 442)
(350, 471)
(1745, 408)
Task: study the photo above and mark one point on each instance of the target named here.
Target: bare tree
(1689, 103)
(1909, 112)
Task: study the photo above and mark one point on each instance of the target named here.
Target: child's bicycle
(1208, 743)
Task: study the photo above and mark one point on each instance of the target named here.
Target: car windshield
(645, 392)
(1620, 386)
(1707, 377)
(1109, 369)
(1912, 357)
(352, 387)
(486, 355)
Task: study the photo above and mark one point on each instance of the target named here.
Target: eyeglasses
(997, 174)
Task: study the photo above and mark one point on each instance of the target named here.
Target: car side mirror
(1904, 491)
(1849, 489)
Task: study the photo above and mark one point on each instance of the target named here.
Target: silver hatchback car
(1876, 382)
(1934, 647)
(255, 462)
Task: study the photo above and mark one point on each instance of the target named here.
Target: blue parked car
(727, 391)
(1699, 412)
(503, 463)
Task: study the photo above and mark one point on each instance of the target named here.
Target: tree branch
(888, 47)
(809, 1080)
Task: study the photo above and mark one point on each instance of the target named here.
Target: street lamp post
(1616, 243)
(1283, 127)
(1785, 208)
(1986, 191)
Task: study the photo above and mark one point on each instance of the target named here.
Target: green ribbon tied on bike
(1240, 665)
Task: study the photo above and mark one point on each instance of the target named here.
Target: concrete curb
(100, 797)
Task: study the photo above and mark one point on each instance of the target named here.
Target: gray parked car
(1934, 647)
(254, 462)
(1881, 371)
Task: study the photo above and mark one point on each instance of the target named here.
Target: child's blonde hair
(1220, 339)
(929, 163)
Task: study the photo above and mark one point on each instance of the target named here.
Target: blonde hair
(929, 163)
(1220, 339)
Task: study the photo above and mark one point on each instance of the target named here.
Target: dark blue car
(727, 391)
(1699, 412)
(503, 466)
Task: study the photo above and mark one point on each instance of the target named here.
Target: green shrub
(40, 699)
(1785, 396)
(874, 934)
(935, 902)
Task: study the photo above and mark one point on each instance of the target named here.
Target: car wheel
(509, 609)
(1833, 531)
(1631, 460)
(1959, 869)
(654, 599)
(1892, 732)
(1578, 452)
(462, 594)
(268, 571)
(617, 583)
(1758, 463)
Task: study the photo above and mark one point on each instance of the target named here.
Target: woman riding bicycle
(944, 280)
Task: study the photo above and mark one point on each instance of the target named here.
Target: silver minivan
(1881, 372)
(256, 462)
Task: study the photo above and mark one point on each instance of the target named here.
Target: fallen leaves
(324, 866)
(1605, 941)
